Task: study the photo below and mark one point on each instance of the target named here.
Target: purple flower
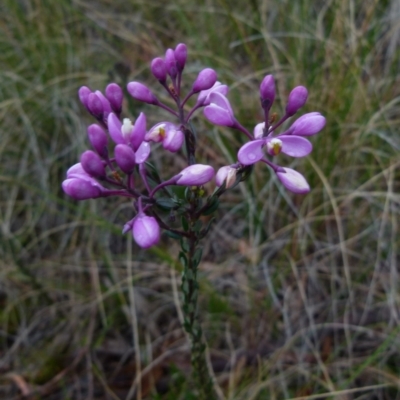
(219, 112)
(81, 189)
(204, 96)
(294, 146)
(127, 133)
(80, 185)
(293, 181)
(169, 134)
(146, 231)
(195, 175)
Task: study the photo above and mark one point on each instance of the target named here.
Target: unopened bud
(158, 69)
(83, 94)
(205, 80)
(226, 174)
(92, 164)
(297, 99)
(125, 158)
(267, 92)
(180, 55)
(170, 63)
(195, 175)
(98, 139)
(146, 231)
(95, 106)
(141, 92)
(115, 96)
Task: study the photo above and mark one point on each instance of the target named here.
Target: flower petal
(142, 153)
(139, 131)
(295, 146)
(114, 128)
(308, 124)
(251, 152)
(293, 181)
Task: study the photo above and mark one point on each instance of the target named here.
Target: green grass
(301, 293)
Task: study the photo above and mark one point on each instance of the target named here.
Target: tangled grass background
(300, 294)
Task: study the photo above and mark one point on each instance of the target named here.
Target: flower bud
(293, 181)
(204, 96)
(125, 157)
(170, 63)
(205, 80)
(92, 164)
(226, 174)
(83, 94)
(267, 92)
(173, 140)
(308, 124)
(76, 171)
(105, 103)
(158, 69)
(180, 56)
(141, 92)
(98, 139)
(95, 106)
(219, 112)
(195, 175)
(146, 231)
(297, 99)
(115, 96)
(81, 189)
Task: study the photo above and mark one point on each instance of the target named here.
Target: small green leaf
(213, 204)
(197, 256)
(166, 204)
(197, 226)
(173, 235)
(184, 245)
(205, 231)
(185, 223)
(183, 258)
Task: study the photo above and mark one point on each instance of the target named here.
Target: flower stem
(191, 257)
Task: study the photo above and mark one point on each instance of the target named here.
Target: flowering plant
(122, 167)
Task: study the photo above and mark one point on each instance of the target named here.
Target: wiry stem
(190, 288)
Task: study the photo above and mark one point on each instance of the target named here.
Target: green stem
(190, 287)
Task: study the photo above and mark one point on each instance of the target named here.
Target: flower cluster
(263, 142)
(121, 148)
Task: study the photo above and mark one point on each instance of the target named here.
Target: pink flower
(146, 231)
